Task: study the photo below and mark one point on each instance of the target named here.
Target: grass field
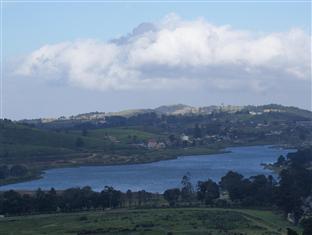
(124, 134)
(150, 221)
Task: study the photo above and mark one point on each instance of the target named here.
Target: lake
(159, 176)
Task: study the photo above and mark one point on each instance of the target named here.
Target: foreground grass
(150, 221)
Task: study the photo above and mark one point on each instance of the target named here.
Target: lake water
(159, 176)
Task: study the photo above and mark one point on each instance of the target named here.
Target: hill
(145, 135)
(177, 109)
(18, 140)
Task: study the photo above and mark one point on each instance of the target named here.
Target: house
(255, 113)
(184, 137)
(273, 111)
(113, 139)
(151, 144)
(47, 120)
(161, 145)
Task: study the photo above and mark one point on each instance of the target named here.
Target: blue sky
(38, 24)
(29, 26)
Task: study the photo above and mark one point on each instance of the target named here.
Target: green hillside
(18, 140)
(123, 134)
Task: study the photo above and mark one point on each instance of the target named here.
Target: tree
(197, 131)
(307, 226)
(27, 204)
(187, 188)
(45, 202)
(71, 199)
(291, 232)
(87, 196)
(18, 171)
(52, 198)
(234, 184)
(300, 158)
(172, 138)
(129, 197)
(207, 191)
(110, 197)
(142, 197)
(280, 161)
(172, 196)
(295, 184)
(11, 202)
(4, 172)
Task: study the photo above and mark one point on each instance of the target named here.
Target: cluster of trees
(72, 199)
(255, 191)
(12, 171)
(292, 193)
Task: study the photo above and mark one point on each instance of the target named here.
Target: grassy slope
(122, 134)
(23, 141)
(150, 221)
(33, 146)
(20, 141)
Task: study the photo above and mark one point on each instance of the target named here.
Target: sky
(69, 58)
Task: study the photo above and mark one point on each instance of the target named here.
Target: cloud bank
(175, 53)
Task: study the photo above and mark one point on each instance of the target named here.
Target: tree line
(13, 171)
(71, 200)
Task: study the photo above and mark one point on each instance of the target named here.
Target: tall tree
(187, 190)
(207, 191)
(172, 196)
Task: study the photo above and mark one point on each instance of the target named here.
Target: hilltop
(177, 109)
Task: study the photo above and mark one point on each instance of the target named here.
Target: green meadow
(208, 221)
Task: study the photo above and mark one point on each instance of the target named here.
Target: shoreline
(39, 173)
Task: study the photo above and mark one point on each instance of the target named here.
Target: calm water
(158, 176)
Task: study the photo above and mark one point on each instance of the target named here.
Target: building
(184, 137)
(151, 144)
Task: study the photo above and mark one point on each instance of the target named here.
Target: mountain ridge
(178, 109)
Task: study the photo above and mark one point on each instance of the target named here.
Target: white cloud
(176, 53)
